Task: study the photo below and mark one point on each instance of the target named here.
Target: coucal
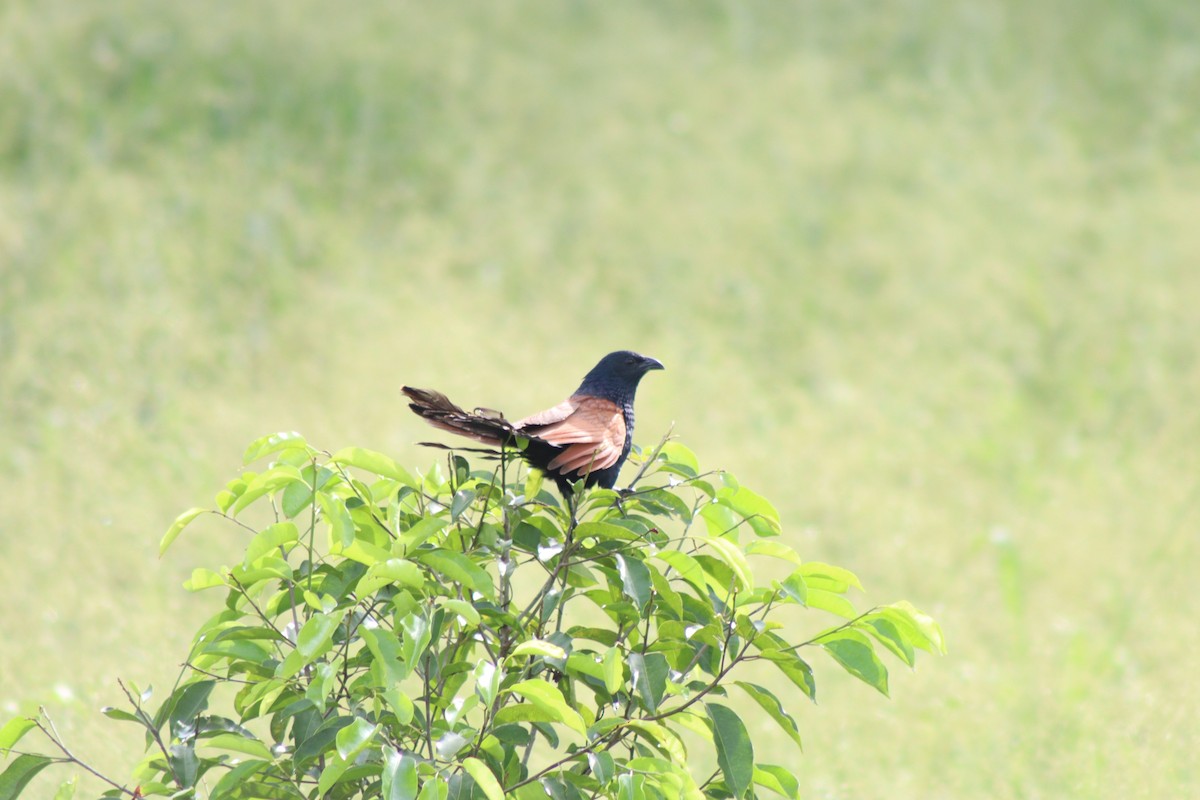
(587, 436)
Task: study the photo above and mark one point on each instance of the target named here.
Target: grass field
(924, 273)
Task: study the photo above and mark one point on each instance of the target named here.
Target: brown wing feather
(439, 412)
(593, 435)
(547, 417)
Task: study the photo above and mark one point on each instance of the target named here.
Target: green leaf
(238, 744)
(689, 569)
(791, 665)
(121, 715)
(266, 445)
(341, 526)
(315, 639)
(416, 638)
(735, 753)
(19, 773)
(354, 738)
(794, 588)
(538, 647)
(435, 790)
(269, 540)
(177, 527)
(815, 573)
(184, 704)
(770, 703)
(662, 737)
(483, 778)
(890, 636)
(392, 572)
(614, 673)
(774, 549)
(550, 700)
(603, 532)
(270, 481)
(487, 681)
(203, 579)
(602, 766)
(12, 732)
(853, 651)
(335, 768)
(829, 601)
(758, 512)
(460, 502)
(675, 453)
(416, 535)
(66, 790)
(457, 568)
(919, 627)
(635, 581)
(778, 779)
(316, 743)
(463, 609)
(729, 554)
(399, 777)
(377, 463)
(185, 766)
(233, 780)
(649, 674)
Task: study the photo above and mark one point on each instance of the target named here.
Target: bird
(586, 437)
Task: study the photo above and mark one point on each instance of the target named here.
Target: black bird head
(617, 375)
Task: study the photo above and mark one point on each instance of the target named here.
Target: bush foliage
(469, 634)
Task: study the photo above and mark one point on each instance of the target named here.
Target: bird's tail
(489, 427)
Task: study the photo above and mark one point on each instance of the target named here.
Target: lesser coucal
(586, 436)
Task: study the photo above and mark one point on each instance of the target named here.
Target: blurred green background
(925, 273)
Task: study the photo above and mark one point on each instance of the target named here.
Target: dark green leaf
(184, 704)
(735, 753)
(635, 580)
(649, 674)
(461, 502)
(853, 651)
(19, 773)
(602, 765)
(185, 766)
(320, 740)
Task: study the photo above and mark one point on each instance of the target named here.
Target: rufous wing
(591, 431)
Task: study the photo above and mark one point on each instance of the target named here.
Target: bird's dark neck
(617, 390)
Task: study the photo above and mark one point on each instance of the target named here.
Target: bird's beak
(653, 363)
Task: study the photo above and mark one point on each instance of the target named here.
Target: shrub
(467, 633)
